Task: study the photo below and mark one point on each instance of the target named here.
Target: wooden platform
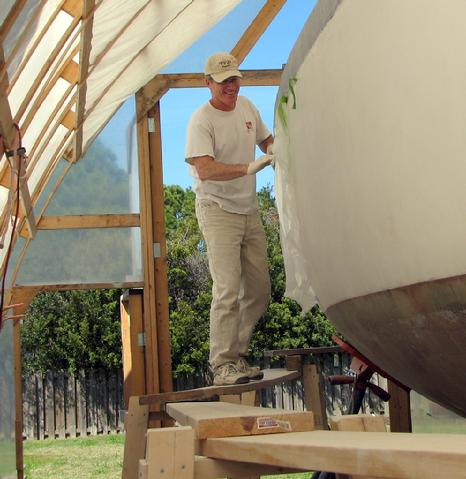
(271, 378)
(379, 454)
(221, 419)
(361, 454)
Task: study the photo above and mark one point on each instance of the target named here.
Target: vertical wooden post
(399, 407)
(132, 333)
(156, 321)
(135, 442)
(18, 400)
(150, 329)
(314, 395)
(160, 245)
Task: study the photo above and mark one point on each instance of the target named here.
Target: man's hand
(259, 164)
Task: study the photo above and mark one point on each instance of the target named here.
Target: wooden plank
(147, 250)
(133, 350)
(271, 377)
(153, 91)
(70, 406)
(26, 290)
(159, 260)
(302, 351)
(314, 394)
(135, 438)
(358, 422)
(170, 453)
(207, 468)
(88, 7)
(399, 407)
(143, 469)
(256, 28)
(221, 419)
(70, 72)
(59, 404)
(7, 128)
(389, 455)
(81, 405)
(88, 221)
(18, 399)
(72, 7)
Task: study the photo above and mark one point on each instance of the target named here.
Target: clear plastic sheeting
(7, 403)
(105, 181)
(80, 256)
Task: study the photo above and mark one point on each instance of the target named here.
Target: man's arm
(266, 144)
(209, 169)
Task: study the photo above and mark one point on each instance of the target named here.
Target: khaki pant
(237, 252)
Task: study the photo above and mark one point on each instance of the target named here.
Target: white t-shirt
(229, 137)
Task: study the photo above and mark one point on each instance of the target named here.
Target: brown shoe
(252, 372)
(227, 374)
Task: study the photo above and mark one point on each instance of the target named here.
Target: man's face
(224, 94)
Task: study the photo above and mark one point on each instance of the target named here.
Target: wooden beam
(69, 120)
(170, 453)
(73, 7)
(88, 221)
(272, 377)
(206, 468)
(136, 421)
(399, 406)
(84, 55)
(223, 419)
(18, 399)
(380, 454)
(160, 84)
(256, 29)
(314, 394)
(70, 72)
(24, 291)
(147, 250)
(159, 259)
(7, 128)
(10, 136)
(132, 329)
(26, 203)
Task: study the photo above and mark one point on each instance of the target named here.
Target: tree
(72, 330)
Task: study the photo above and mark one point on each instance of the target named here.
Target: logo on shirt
(249, 126)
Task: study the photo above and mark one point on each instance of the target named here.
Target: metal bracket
(141, 339)
(157, 250)
(151, 124)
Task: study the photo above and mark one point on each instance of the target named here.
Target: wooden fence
(59, 405)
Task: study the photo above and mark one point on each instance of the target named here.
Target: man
(221, 140)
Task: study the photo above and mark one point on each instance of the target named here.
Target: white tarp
(371, 164)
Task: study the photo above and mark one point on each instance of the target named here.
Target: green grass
(99, 457)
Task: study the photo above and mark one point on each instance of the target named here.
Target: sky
(177, 105)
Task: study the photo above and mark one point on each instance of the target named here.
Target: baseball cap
(221, 66)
